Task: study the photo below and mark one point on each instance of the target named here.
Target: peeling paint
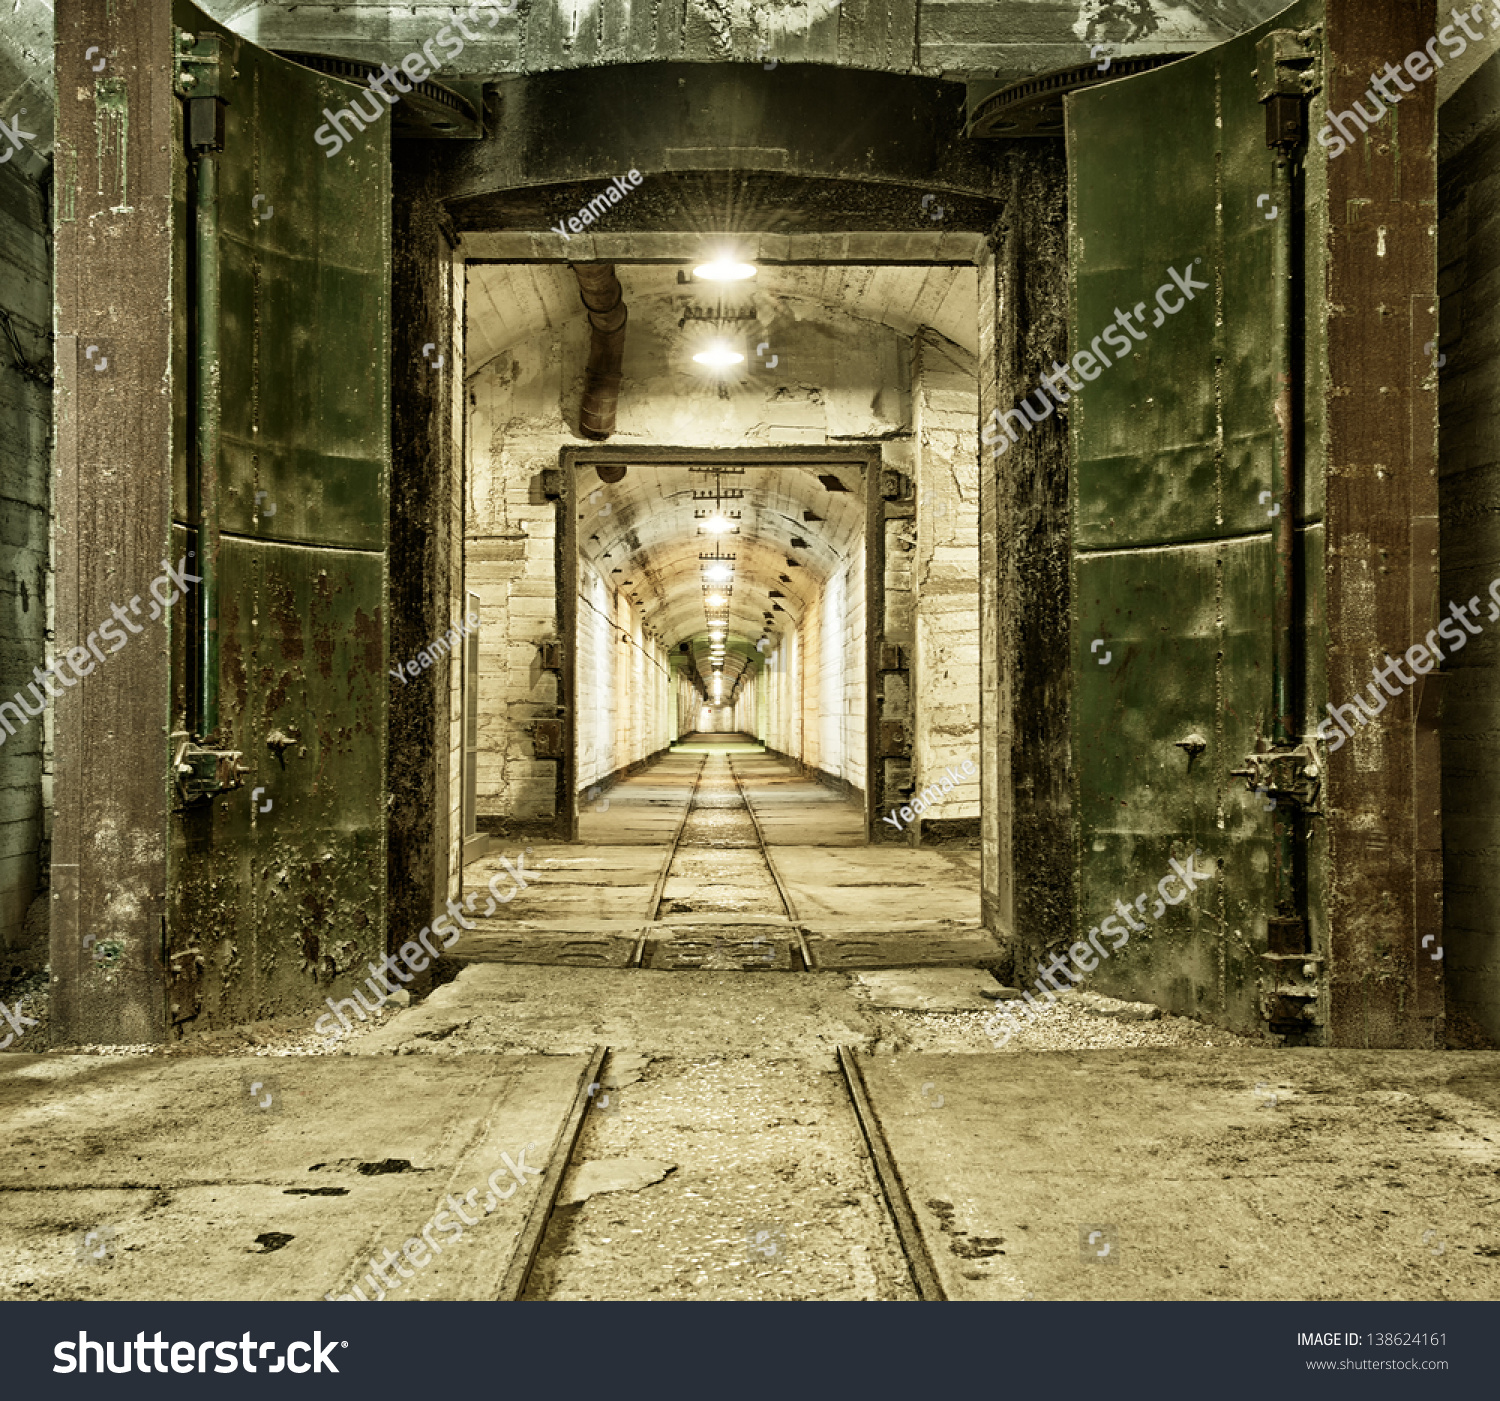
(112, 131)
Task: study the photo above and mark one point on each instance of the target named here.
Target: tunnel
(714, 651)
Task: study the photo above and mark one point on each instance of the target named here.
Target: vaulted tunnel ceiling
(642, 534)
(515, 302)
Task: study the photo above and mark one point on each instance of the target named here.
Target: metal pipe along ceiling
(605, 300)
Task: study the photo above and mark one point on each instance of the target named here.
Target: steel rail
(923, 1276)
(653, 908)
(765, 851)
(529, 1243)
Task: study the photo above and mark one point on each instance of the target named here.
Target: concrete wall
(945, 566)
(510, 540)
(25, 428)
(627, 699)
(815, 680)
(1469, 487)
(424, 755)
(689, 701)
(1029, 864)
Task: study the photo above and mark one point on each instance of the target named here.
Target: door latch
(1290, 774)
(205, 773)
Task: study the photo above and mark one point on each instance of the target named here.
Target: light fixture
(724, 270)
(718, 357)
(716, 637)
(719, 573)
(717, 525)
(715, 600)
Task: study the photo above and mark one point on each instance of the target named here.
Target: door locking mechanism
(1290, 774)
(205, 773)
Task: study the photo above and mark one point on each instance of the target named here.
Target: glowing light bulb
(718, 357)
(716, 600)
(724, 270)
(718, 573)
(717, 525)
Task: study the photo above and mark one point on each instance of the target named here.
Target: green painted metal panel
(281, 904)
(1172, 447)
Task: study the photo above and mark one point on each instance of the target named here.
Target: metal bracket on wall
(198, 78)
(547, 739)
(205, 773)
(550, 654)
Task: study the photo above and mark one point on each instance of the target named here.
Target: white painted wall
(814, 680)
(945, 569)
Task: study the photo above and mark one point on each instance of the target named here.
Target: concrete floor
(728, 1163)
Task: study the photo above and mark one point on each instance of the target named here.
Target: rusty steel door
(1197, 509)
(277, 865)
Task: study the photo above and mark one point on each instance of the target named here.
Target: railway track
(718, 871)
(737, 1212)
(558, 1253)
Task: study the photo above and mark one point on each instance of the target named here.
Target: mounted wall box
(892, 658)
(547, 739)
(551, 655)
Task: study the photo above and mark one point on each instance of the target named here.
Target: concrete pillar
(113, 456)
(425, 831)
(1026, 890)
(1385, 988)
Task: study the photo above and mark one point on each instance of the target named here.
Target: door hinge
(205, 773)
(199, 80)
(1287, 75)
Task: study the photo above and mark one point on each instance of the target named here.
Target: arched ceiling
(514, 302)
(798, 522)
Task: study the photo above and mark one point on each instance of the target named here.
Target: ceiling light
(717, 525)
(724, 270)
(718, 357)
(719, 573)
(716, 637)
(716, 600)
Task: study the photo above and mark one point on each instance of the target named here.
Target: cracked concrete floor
(1224, 1169)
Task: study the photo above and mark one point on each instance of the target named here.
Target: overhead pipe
(604, 299)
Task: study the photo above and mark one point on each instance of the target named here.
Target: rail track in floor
(560, 1255)
(825, 1186)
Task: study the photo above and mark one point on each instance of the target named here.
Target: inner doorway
(735, 585)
